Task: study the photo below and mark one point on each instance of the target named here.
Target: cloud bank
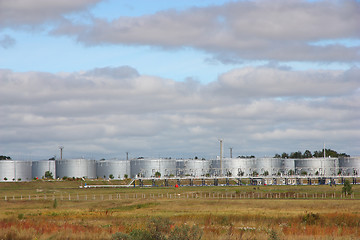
(108, 111)
(251, 30)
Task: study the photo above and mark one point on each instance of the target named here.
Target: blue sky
(255, 73)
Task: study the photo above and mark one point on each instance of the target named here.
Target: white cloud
(113, 110)
(266, 30)
(31, 13)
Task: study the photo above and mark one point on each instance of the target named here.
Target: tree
(296, 155)
(284, 155)
(2, 157)
(48, 175)
(277, 155)
(347, 188)
(111, 176)
(157, 174)
(307, 154)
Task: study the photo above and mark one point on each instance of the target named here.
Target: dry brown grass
(218, 218)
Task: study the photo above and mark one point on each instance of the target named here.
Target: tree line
(307, 154)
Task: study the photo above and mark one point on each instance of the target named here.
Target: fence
(201, 195)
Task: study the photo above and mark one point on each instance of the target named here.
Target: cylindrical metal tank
(287, 166)
(11, 170)
(230, 167)
(23, 170)
(316, 166)
(7, 170)
(180, 167)
(77, 168)
(39, 168)
(119, 169)
(267, 166)
(147, 168)
(349, 166)
(192, 167)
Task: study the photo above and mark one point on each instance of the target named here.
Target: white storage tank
(287, 166)
(267, 166)
(180, 167)
(77, 168)
(349, 166)
(316, 166)
(23, 170)
(118, 169)
(12, 170)
(7, 170)
(147, 167)
(193, 167)
(231, 167)
(39, 168)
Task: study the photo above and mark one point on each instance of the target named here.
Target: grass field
(217, 212)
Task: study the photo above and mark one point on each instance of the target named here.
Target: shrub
(48, 175)
(55, 203)
(161, 229)
(347, 188)
(121, 236)
(311, 218)
(184, 232)
(273, 235)
(139, 234)
(159, 226)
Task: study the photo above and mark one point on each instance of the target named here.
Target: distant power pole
(127, 155)
(61, 151)
(231, 152)
(221, 155)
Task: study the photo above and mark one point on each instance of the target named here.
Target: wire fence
(202, 196)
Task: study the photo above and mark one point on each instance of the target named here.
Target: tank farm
(199, 172)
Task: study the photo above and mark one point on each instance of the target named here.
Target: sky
(159, 78)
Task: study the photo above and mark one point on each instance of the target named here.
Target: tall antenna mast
(61, 150)
(127, 155)
(231, 152)
(221, 155)
(324, 150)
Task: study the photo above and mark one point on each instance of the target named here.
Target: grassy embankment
(219, 218)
